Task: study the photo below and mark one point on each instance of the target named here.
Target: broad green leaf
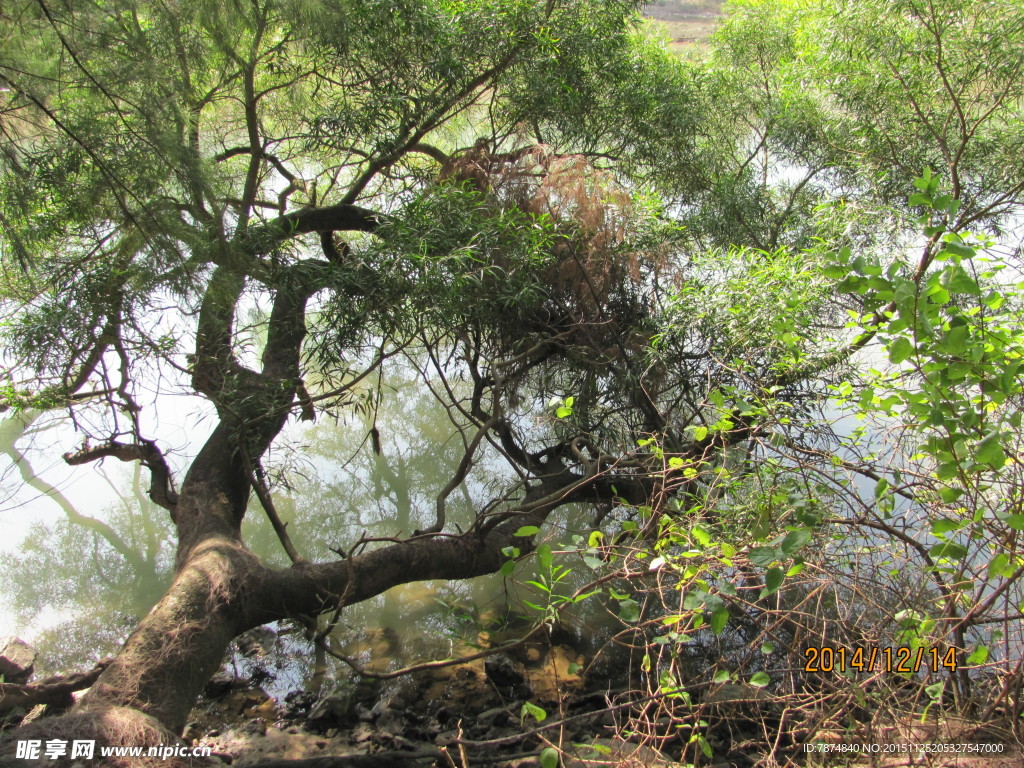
(950, 550)
(979, 656)
(795, 541)
(719, 619)
(544, 557)
(900, 350)
(760, 679)
(703, 537)
(530, 709)
(990, 452)
(772, 581)
(999, 565)
(763, 556)
(945, 525)
(629, 610)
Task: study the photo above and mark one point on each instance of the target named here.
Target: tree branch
(331, 218)
(161, 490)
(52, 690)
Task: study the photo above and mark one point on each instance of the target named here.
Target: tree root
(379, 760)
(53, 691)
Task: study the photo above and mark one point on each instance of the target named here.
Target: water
(68, 590)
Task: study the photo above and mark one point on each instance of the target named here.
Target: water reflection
(94, 575)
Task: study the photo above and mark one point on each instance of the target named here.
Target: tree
(181, 164)
(277, 204)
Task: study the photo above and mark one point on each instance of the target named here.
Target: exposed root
(107, 726)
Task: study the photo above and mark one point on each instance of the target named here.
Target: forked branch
(161, 487)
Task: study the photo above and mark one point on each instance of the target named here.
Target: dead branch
(53, 690)
(161, 489)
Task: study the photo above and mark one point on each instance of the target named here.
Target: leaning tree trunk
(220, 589)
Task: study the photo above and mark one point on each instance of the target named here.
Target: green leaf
(563, 411)
(549, 758)
(705, 747)
(979, 656)
(900, 350)
(950, 550)
(763, 556)
(719, 619)
(700, 433)
(527, 530)
(963, 251)
(629, 610)
(958, 281)
(544, 557)
(795, 541)
(702, 537)
(949, 494)
(721, 676)
(760, 679)
(532, 710)
(955, 342)
(772, 581)
(945, 525)
(999, 565)
(990, 452)
(1016, 522)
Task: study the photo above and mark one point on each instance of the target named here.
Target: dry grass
(686, 23)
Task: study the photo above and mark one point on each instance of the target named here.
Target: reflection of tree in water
(98, 574)
(345, 489)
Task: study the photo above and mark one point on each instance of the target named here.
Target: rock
(383, 705)
(446, 738)
(17, 660)
(255, 727)
(400, 742)
(256, 643)
(732, 693)
(505, 674)
(220, 684)
(493, 717)
(336, 709)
